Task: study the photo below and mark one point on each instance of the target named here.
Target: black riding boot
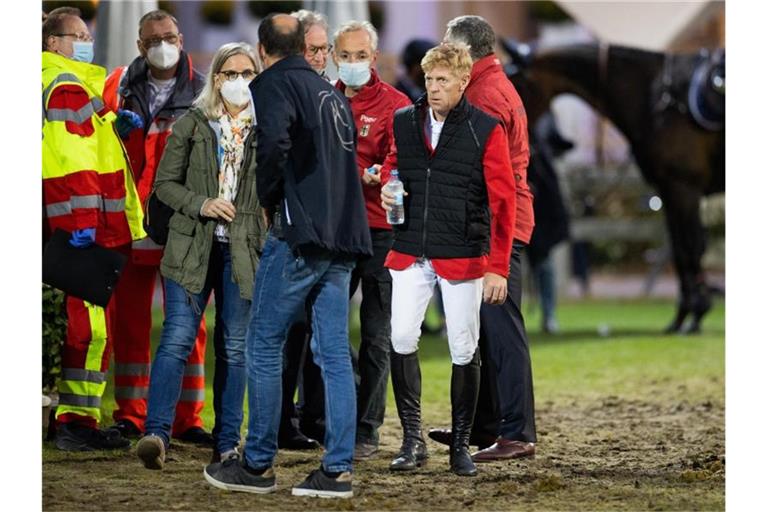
(406, 383)
(465, 384)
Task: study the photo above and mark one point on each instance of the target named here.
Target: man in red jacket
(504, 426)
(152, 92)
(373, 105)
(453, 160)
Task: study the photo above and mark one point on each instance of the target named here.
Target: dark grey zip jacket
(306, 159)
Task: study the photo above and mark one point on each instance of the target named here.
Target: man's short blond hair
(454, 56)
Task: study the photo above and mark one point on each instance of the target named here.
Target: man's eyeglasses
(314, 50)
(154, 41)
(78, 37)
(230, 75)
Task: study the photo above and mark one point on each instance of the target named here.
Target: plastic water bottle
(395, 187)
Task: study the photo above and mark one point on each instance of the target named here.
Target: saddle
(706, 94)
(694, 87)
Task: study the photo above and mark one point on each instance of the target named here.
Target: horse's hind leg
(688, 239)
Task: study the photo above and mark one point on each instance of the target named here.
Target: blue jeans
(182, 318)
(283, 283)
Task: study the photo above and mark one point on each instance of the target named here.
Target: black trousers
(375, 336)
(505, 406)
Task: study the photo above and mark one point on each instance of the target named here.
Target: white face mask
(355, 74)
(163, 56)
(236, 92)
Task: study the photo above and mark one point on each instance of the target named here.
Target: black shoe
(461, 462)
(296, 440)
(465, 385)
(217, 456)
(406, 384)
(72, 437)
(412, 455)
(313, 429)
(127, 429)
(231, 475)
(320, 485)
(443, 436)
(198, 436)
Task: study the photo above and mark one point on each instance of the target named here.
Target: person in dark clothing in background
(552, 217)
(412, 82)
(308, 183)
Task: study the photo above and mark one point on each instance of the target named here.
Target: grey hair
(209, 100)
(354, 26)
(311, 18)
(473, 31)
(157, 15)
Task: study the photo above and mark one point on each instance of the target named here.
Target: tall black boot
(406, 383)
(465, 384)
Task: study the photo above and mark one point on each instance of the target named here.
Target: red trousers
(132, 325)
(84, 362)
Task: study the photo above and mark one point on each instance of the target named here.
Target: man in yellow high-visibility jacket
(88, 190)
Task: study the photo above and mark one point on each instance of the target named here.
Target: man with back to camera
(504, 426)
(308, 183)
(149, 95)
(302, 424)
(453, 160)
(373, 104)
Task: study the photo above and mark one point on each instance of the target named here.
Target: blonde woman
(207, 176)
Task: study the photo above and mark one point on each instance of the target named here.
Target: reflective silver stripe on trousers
(131, 393)
(194, 370)
(83, 375)
(132, 369)
(192, 395)
(79, 400)
(146, 244)
(90, 201)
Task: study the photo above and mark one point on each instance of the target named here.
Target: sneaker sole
(316, 493)
(236, 487)
(150, 455)
(71, 445)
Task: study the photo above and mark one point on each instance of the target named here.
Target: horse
(671, 109)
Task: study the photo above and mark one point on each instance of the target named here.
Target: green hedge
(54, 333)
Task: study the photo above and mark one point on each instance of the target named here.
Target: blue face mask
(82, 51)
(355, 74)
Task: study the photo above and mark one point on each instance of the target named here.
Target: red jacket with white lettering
(490, 90)
(373, 108)
(127, 88)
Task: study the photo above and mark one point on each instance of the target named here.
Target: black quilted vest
(446, 209)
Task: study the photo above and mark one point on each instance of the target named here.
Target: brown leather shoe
(504, 449)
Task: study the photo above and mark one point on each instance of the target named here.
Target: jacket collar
(487, 65)
(457, 113)
(91, 75)
(183, 91)
(290, 62)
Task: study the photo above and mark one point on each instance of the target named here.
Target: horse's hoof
(674, 328)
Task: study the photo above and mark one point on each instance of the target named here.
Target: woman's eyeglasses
(230, 75)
